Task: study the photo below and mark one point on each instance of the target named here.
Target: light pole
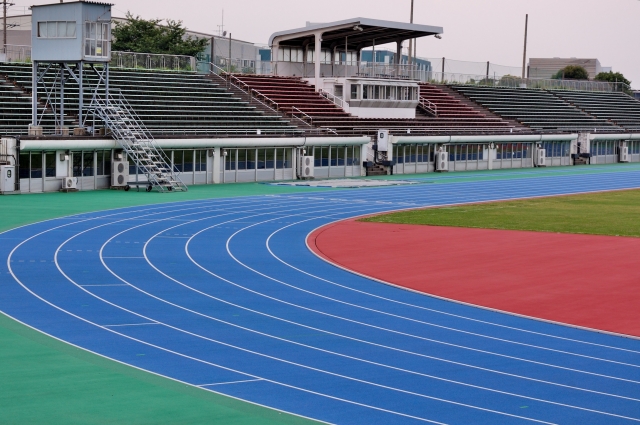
(411, 39)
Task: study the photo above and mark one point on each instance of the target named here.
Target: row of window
(57, 29)
(335, 156)
(557, 149)
(257, 159)
(36, 165)
(383, 92)
(97, 39)
(296, 54)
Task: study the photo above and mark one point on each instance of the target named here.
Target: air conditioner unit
(624, 154)
(541, 157)
(442, 161)
(69, 183)
(306, 167)
(119, 173)
(383, 140)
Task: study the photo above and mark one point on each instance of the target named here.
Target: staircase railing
(137, 142)
(428, 106)
(338, 101)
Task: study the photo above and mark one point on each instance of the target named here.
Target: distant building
(548, 67)
(636, 94)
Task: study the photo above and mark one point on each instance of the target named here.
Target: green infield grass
(608, 213)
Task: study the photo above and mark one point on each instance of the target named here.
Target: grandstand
(168, 103)
(213, 126)
(295, 97)
(618, 108)
(537, 109)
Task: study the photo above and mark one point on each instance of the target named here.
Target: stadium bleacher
(293, 96)
(169, 103)
(537, 109)
(619, 108)
(15, 113)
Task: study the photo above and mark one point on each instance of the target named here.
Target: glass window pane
(187, 159)
(251, 159)
(177, 160)
(36, 165)
(62, 29)
(50, 164)
(25, 165)
(71, 29)
(51, 30)
(87, 164)
(270, 159)
(261, 159)
(77, 163)
(242, 159)
(42, 29)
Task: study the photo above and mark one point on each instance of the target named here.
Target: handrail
(338, 101)
(429, 106)
(304, 114)
(249, 90)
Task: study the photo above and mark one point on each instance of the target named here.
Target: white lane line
(258, 353)
(397, 316)
(355, 403)
(430, 295)
(132, 324)
(124, 258)
(230, 382)
(107, 284)
(350, 357)
(340, 335)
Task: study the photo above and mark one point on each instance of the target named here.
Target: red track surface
(591, 281)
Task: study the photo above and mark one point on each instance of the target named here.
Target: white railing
(517, 82)
(15, 53)
(428, 106)
(339, 102)
(131, 60)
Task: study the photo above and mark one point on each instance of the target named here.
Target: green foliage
(572, 72)
(148, 36)
(612, 77)
(590, 214)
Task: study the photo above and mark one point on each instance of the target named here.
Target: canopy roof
(335, 34)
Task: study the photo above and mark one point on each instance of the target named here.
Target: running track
(224, 294)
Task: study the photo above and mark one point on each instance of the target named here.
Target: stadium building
(323, 101)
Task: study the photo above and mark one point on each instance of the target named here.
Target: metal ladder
(134, 138)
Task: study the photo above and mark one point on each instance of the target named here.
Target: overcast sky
(474, 30)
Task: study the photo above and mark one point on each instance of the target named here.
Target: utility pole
(4, 26)
(410, 40)
(524, 55)
(229, 66)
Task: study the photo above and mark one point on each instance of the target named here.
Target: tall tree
(612, 77)
(149, 36)
(572, 72)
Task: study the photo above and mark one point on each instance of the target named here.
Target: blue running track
(223, 294)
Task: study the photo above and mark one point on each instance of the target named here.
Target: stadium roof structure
(361, 33)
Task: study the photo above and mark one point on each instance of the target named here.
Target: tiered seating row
(619, 108)
(537, 109)
(293, 93)
(169, 103)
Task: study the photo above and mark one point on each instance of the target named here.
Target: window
(57, 29)
(201, 160)
(103, 165)
(87, 164)
(97, 40)
(338, 90)
(321, 156)
(283, 158)
(178, 157)
(354, 91)
(50, 164)
(230, 159)
(25, 165)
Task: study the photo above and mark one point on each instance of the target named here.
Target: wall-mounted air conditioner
(69, 183)
(442, 161)
(624, 154)
(306, 168)
(541, 157)
(119, 173)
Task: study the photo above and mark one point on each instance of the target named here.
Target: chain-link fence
(130, 60)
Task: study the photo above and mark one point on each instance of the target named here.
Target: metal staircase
(138, 143)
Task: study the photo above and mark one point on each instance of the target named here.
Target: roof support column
(318, 54)
(398, 52)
